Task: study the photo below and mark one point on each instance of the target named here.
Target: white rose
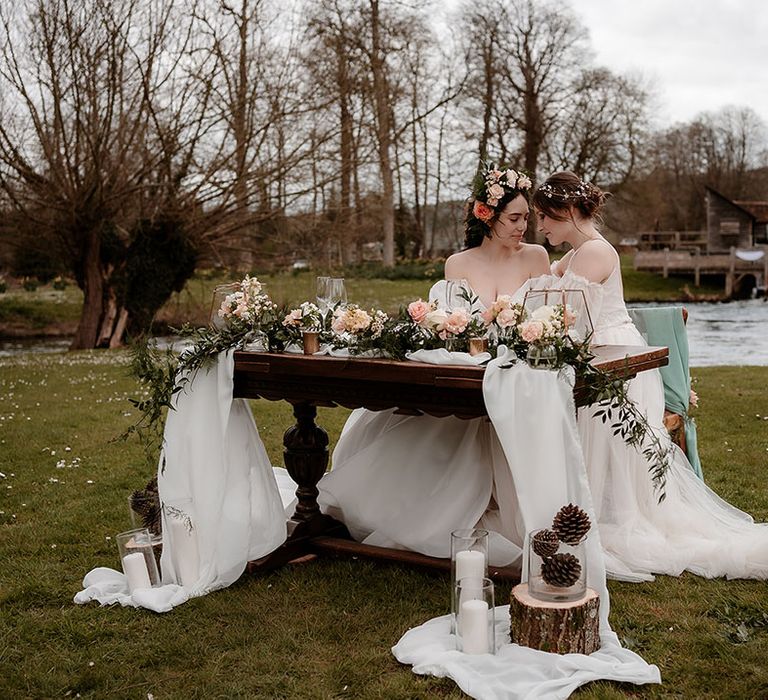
(543, 313)
(436, 319)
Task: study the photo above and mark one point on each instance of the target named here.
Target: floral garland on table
(250, 315)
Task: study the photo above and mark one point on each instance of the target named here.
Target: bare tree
(100, 139)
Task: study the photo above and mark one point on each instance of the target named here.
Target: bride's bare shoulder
(538, 257)
(459, 262)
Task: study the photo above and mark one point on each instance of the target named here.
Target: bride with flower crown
(406, 482)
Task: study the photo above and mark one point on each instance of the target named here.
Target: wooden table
(414, 388)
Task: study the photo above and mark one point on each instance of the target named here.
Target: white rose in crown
(511, 177)
(524, 182)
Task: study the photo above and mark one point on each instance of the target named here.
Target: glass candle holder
(557, 571)
(475, 619)
(220, 293)
(181, 537)
(469, 558)
(138, 559)
(541, 356)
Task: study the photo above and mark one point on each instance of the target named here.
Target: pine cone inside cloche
(562, 570)
(571, 524)
(545, 543)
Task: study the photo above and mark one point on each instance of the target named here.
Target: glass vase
(469, 558)
(220, 293)
(541, 356)
(181, 537)
(557, 571)
(137, 558)
(475, 618)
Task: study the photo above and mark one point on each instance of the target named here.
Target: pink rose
(506, 318)
(531, 331)
(418, 310)
(338, 324)
(496, 191)
(457, 321)
(482, 211)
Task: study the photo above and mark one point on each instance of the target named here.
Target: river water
(733, 333)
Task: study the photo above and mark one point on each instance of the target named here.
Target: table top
(410, 387)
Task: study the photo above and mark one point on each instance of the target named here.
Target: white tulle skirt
(406, 482)
(692, 529)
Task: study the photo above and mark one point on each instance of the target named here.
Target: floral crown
(491, 184)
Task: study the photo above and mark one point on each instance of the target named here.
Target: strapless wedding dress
(408, 481)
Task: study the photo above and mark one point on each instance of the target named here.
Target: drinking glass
(337, 293)
(322, 296)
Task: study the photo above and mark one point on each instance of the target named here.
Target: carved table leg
(306, 459)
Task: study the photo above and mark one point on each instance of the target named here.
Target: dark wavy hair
(514, 183)
(564, 191)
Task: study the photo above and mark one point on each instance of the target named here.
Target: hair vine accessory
(490, 186)
(581, 191)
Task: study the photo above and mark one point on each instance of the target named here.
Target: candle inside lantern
(135, 570)
(474, 627)
(185, 554)
(470, 563)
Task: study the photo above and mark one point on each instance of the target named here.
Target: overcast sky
(701, 55)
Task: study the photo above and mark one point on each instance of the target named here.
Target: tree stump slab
(560, 628)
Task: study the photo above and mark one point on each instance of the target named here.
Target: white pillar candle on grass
(474, 627)
(184, 551)
(135, 570)
(470, 562)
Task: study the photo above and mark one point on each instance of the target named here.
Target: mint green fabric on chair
(664, 325)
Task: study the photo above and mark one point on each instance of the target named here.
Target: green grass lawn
(323, 629)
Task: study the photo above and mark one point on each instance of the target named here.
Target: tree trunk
(384, 137)
(93, 297)
(560, 628)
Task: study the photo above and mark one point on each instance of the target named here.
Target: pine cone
(545, 543)
(571, 524)
(562, 570)
(146, 503)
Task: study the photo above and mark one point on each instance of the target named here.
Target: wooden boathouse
(734, 246)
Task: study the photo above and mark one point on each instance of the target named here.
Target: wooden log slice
(561, 628)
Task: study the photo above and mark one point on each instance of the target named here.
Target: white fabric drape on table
(548, 471)
(213, 455)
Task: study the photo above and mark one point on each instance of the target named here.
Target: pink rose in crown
(482, 211)
(531, 331)
(418, 310)
(457, 321)
(496, 191)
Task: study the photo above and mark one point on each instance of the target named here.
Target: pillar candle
(474, 627)
(470, 562)
(135, 569)
(185, 554)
